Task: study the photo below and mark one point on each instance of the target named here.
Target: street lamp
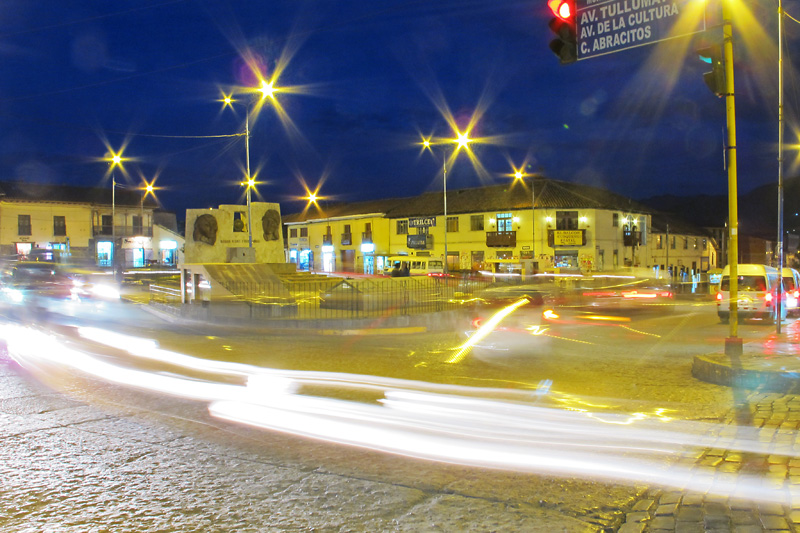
(519, 175)
(267, 90)
(116, 160)
(461, 140)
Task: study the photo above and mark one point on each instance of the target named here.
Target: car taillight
(476, 323)
(719, 296)
(768, 297)
(796, 294)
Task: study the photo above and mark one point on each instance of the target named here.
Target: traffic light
(715, 78)
(565, 45)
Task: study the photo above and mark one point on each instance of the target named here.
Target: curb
(717, 369)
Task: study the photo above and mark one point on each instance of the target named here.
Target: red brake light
(476, 323)
(719, 296)
(768, 297)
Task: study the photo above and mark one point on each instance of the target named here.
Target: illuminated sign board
(421, 222)
(608, 26)
(568, 237)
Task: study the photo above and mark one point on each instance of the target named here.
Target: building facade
(554, 227)
(88, 224)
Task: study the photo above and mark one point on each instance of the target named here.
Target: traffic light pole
(733, 344)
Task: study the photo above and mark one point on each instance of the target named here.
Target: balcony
(501, 239)
(366, 237)
(327, 240)
(631, 238)
(347, 239)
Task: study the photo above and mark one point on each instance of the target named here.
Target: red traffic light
(561, 8)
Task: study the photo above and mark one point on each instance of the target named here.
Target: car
(791, 285)
(757, 288)
(508, 320)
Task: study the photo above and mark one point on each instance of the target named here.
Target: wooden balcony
(501, 239)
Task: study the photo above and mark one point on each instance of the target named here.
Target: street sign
(608, 26)
(421, 222)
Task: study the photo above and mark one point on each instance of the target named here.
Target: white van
(757, 292)
(414, 266)
(791, 284)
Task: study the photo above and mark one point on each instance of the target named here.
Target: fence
(336, 298)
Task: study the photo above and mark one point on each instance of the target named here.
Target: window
(659, 242)
(347, 228)
(686, 244)
(672, 243)
(452, 224)
(402, 227)
(368, 227)
(304, 232)
(24, 224)
(504, 221)
(136, 222)
(705, 244)
(476, 223)
(59, 226)
(615, 220)
(293, 233)
(696, 242)
(566, 220)
(105, 222)
(422, 230)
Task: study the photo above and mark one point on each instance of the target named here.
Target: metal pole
(444, 175)
(779, 303)
(733, 344)
(113, 224)
(247, 157)
(533, 225)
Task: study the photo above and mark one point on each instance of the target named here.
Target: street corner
(754, 372)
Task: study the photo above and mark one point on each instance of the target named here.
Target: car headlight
(105, 291)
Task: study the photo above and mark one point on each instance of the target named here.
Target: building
(571, 228)
(83, 222)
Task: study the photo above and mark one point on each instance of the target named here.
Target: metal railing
(335, 298)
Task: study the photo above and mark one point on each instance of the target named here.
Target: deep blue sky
(76, 73)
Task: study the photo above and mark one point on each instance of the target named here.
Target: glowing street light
(266, 90)
(461, 140)
(115, 159)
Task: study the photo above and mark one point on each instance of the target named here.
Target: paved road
(81, 455)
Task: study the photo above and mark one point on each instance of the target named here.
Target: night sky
(367, 79)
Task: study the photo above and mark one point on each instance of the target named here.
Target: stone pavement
(768, 375)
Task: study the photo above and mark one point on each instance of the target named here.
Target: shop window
(402, 227)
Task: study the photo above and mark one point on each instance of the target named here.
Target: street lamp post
(267, 90)
(249, 178)
(462, 140)
(519, 175)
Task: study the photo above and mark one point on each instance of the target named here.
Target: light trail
(479, 427)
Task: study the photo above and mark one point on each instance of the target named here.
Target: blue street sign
(608, 26)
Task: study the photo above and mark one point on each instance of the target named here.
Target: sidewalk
(771, 364)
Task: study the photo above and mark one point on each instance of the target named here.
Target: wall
(210, 233)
